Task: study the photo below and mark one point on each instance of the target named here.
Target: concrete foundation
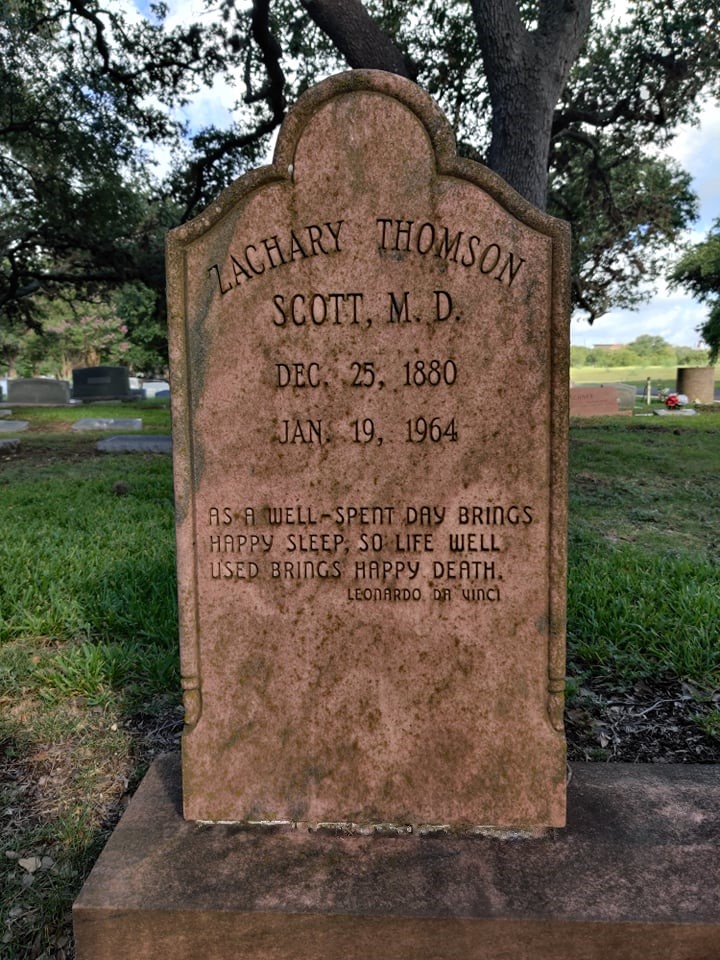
(634, 875)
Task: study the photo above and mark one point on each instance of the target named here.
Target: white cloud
(673, 315)
(696, 149)
(670, 314)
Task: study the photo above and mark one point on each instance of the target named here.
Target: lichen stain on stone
(371, 712)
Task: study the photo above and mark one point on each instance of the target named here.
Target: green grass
(88, 642)
(155, 414)
(88, 626)
(79, 560)
(644, 574)
(662, 377)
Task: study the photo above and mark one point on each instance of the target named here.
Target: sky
(671, 314)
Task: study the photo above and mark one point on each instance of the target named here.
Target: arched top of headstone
(341, 93)
(368, 345)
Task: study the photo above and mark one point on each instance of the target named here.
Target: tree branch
(358, 37)
(272, 92)
(271, 53)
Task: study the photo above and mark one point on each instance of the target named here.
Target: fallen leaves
(650, 722)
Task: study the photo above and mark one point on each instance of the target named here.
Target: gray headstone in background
(101, 383)
(8, 446)
(626, 394)
(38, 390)
(107, 423)
(157, 443)
(13, 426)
(686, 412)
(155, 388)
(5, 414)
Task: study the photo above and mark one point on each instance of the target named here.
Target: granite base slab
(108, 423)
(13, 426)
(634, 875)
(123, 443)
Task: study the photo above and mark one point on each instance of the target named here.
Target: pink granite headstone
(595, 402)
(369, 382)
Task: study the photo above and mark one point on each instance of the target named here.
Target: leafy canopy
(88, 90)
(698, 270)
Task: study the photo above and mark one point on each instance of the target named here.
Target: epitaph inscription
(368, 344)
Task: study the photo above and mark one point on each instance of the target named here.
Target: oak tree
(698, 270)
(573, 109)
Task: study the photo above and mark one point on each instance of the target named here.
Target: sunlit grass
(661, 377)
(88, 624)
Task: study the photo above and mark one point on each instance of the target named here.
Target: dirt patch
(652, 722)
(41, 452)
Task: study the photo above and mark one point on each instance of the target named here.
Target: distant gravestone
(101, 383)
(371, 551)
(150, 443)
(38, 391)
(155, 388)
(108, 423)
(600, 401)
(627, 396)
(697, 383)
(13, 426)
(681, 412)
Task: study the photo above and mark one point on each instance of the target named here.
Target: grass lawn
(88, 630)
(643, 585)
(663, 378)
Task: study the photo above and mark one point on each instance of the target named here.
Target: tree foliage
(72, 116)
(114, 326)
(632, 84)
(644, 351)
(698, 270)
(577, 113)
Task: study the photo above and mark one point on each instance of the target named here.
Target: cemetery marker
(372, 633)
(369, 383)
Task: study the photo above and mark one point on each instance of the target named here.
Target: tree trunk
(526, 73)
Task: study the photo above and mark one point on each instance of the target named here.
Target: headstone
(108, 423)
(101, 383)
(626, 396)
(370, 548)
(596, 401)
(682, 412)
(38, 391)
(9, 446)
(154, 388)
(13, 426)
(149, 443)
